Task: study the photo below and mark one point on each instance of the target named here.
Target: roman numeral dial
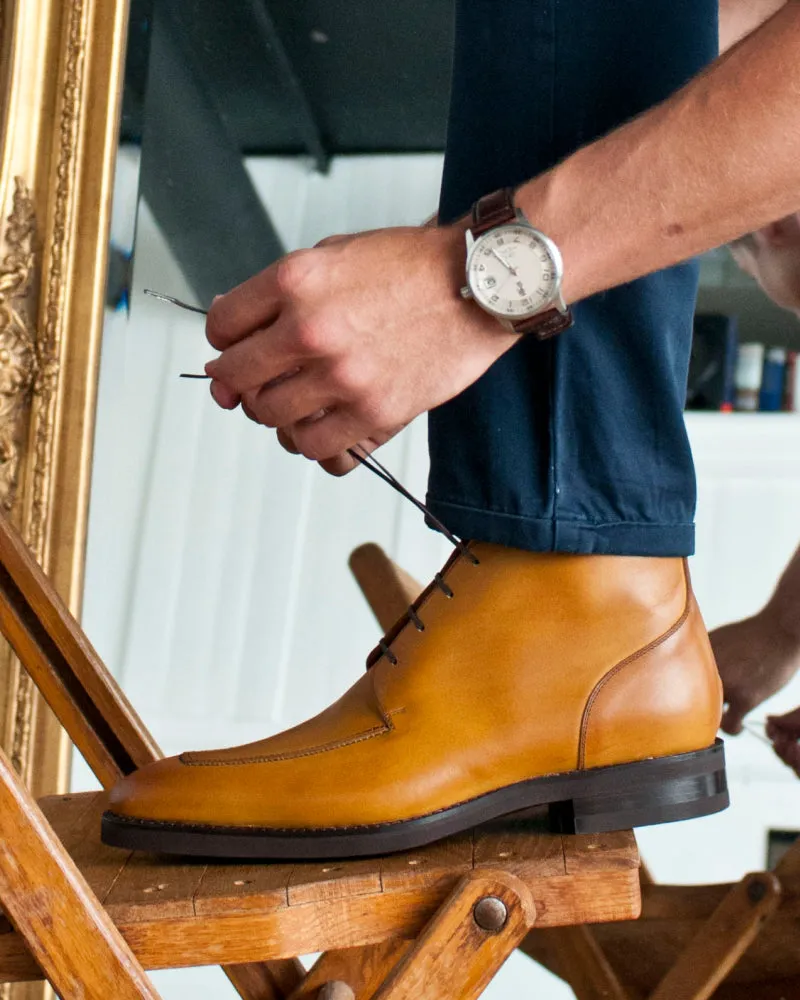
(514, 271)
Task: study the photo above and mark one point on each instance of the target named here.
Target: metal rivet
(756, 891)
(491, 914)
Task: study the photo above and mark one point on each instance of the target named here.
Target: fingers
(343, 463)
(789, 752)
(784, 731)
(328, 437)
(733, 718)
(257, 302)
(285, 441)
(223, 396)
(788, 725)
(289, 401)
(264, 356)
(339, 465)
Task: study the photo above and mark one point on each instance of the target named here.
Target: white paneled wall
(216, 581)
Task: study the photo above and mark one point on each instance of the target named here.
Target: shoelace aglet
(175, 302)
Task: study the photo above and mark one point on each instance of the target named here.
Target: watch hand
(503, 262)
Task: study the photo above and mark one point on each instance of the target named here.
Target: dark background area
(208, 82)
(374, 77)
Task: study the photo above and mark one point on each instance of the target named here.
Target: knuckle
(292, 271)
(287, 276)
(352, 377)
(314, 335)
(374, 411)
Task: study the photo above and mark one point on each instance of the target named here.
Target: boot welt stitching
(660, 640)
(368, 734)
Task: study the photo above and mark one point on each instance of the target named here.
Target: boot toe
(157, 791)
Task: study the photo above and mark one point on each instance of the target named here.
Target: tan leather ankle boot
(517, 680)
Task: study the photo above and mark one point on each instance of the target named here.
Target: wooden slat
(239, 888)
(147, 887)
(724, 938)
(580, 961)
(440, 864)
(454, 956)
(530, 856)
(262, 981)
(363, 970)
(62, 662)
(311, 883)
(121, 880)
(387, 588)
(600, 852)
(76, 820)
(69, 934)
(242, 913)
(340, 923)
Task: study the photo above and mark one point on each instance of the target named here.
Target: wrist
(548, 205)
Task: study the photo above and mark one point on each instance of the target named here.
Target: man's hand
(784, 731)
(346, 343)
(756, 658)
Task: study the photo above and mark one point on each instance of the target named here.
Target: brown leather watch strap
(546, 325)
(493, 210)
(496, 209)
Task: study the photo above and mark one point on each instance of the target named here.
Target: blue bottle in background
(773, 380)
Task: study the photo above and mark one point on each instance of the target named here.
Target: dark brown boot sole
(599, 800)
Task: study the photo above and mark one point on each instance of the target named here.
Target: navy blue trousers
(576, 444)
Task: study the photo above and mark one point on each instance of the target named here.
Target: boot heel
(661, 790)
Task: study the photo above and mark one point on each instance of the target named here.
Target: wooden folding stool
(726, 942)
(435, 923)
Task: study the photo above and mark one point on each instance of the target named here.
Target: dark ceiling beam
(193, 177)
(272, 42)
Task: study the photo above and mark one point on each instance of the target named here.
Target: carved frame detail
(61, 66)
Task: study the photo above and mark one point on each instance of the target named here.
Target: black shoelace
(363, 457)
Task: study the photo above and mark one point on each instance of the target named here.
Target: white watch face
(513, 271)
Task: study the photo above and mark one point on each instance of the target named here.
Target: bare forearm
(784, 605)
(738, 18)
(720, 158)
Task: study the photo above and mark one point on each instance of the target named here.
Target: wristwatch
(514, 272)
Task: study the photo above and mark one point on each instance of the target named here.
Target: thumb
(733, 718)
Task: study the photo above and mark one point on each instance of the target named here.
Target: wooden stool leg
(471, 936)
(67, 930)
(363, 970)
(722, 940)
(580, 960)
(266, 980)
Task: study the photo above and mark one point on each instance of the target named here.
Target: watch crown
(466, 292)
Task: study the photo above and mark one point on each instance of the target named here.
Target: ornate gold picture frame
(61, 65)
